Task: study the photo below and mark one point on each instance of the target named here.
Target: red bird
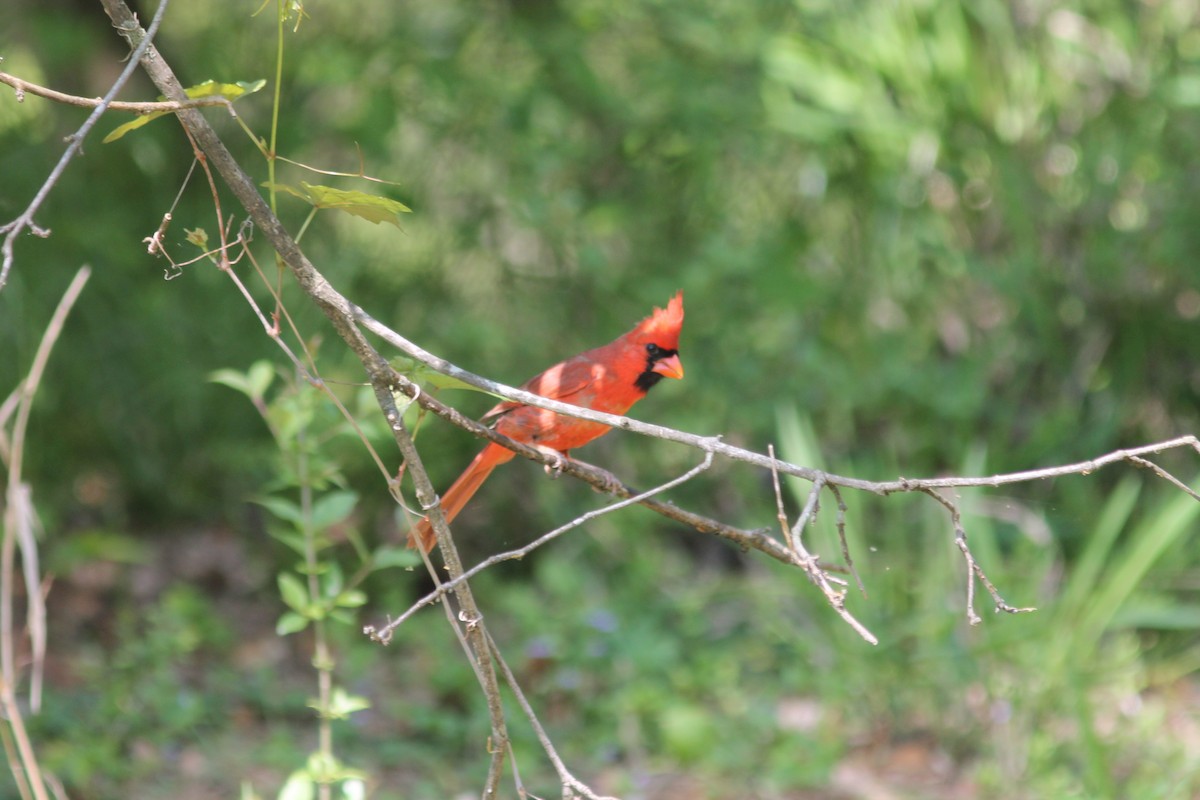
(610, 378)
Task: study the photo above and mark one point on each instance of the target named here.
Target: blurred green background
(915, 237)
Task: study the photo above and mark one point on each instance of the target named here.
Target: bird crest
(663, 325)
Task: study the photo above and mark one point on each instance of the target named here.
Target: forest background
(915, 238)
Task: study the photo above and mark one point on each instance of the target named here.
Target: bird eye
(653, 349)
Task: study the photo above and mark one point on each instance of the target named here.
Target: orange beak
(670, 367)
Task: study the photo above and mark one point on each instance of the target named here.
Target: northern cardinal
(610, 378)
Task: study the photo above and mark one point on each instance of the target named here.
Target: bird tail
(460, 492)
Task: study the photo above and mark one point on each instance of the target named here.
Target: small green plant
(315, 514)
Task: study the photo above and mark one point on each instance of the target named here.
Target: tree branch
(25, 221)
(23, 86)
(384, 634)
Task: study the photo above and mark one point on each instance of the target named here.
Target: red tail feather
(460, 492)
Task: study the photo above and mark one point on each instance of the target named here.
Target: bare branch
(572, 786)
(973, 568)
(25, 221)
(809, 563)
(1162, 473)
(23, 86)
(473, 631)
(384, 634)
(759, 539)
(20, 522)
(840, 523)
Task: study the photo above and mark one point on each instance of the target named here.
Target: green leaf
(259, 377)
(333, 508)
(98, 544)
(351, 598)
(210, 88)
(342, 705)
(231, 91)
(284, 509)
(294, 595)
(393, 556)
(368, 206)
(198, 237)
(343, 617)
(324, 768)
(290, 622)
(332, 581)
(295, 541)
(299, 786)
(1162, 614)
(253, 383)
(134, 124)
(231, 378)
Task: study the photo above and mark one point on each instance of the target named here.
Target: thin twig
(14, 762)
(840, 524)
(973, 569)
(810, 564)
(570, 783)
(1162, 473)
(469, 614)
(20, 520)
(22, 86)
(384, 634)
(12, 229)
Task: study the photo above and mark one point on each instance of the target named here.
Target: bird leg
(558, 460)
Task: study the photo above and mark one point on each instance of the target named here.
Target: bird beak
(670, 367)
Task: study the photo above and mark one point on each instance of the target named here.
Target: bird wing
(563, 382)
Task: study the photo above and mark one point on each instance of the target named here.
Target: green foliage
(955, 236)
(153, 696)
(305, 498)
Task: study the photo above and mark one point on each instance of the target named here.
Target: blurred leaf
(333, 508)
(283, 508)
(294, 595)
(96, 544)
(291, 622)
(1163, 615)
(198, 237)
(394, 556)
(299, 786)
(689, 732)
(209, 88)
(332, 581)
(352, 598)
(253, 382)
(295, 541)
(368, 206)
(342, 616)
(342, 704)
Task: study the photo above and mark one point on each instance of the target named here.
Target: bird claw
(558, 461)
